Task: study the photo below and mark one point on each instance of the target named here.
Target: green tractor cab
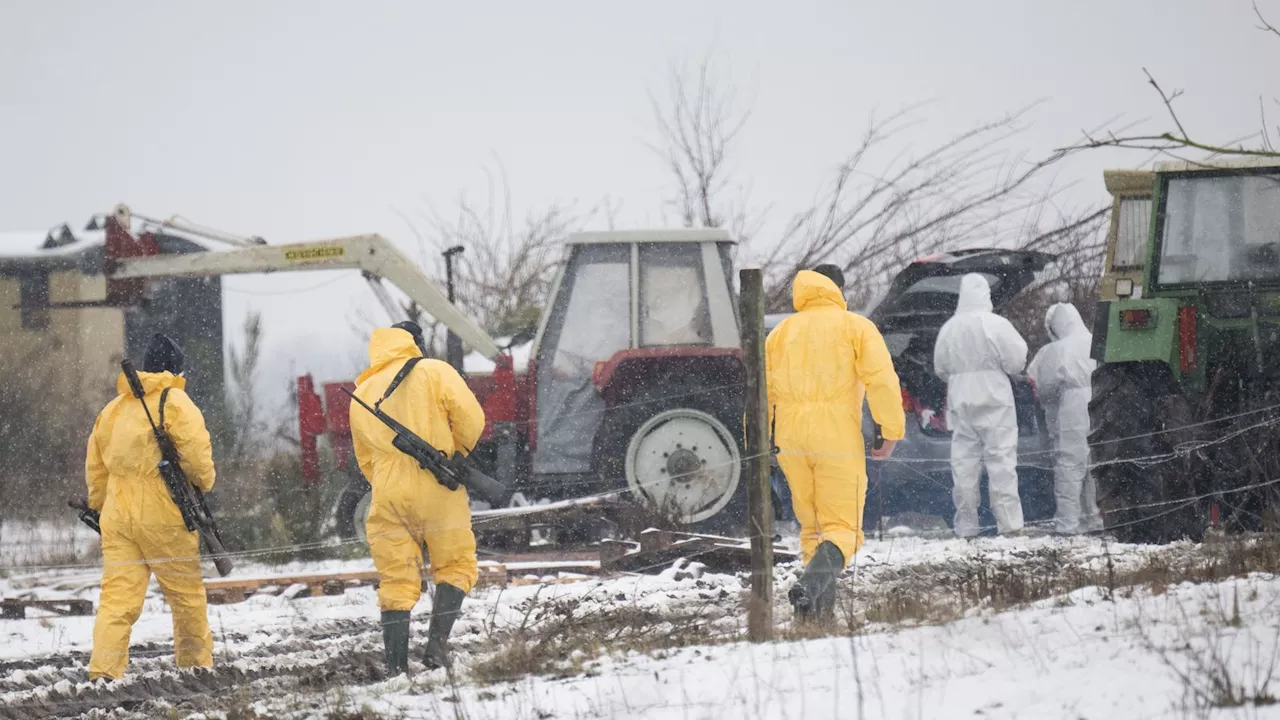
(1187, 337)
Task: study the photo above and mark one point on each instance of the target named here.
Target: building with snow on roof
(62, 337)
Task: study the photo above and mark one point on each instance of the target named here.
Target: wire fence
(1178, 451)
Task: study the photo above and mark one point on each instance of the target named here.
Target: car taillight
(1187, 338)
(1137, 319)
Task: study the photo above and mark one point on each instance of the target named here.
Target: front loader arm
(373, 254)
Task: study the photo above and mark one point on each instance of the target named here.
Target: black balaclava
(833, 273)
(415, 330)
(163, 355)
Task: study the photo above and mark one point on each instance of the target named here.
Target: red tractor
(633, 385)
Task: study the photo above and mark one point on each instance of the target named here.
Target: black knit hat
(415, 330)
(163, 355)
(833, 272)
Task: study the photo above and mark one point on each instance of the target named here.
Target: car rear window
(938, 293)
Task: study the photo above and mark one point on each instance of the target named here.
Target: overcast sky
(306, 120)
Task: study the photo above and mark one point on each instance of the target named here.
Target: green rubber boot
(813, 597)
(395, 641)
(447, 608)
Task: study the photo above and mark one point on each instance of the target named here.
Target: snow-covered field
(41, 543)
(998, 628)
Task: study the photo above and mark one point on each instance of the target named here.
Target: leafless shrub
(875, 215)
(503, 276)
(1214, 670)
(248, 432)
(42, 450)
(1080, 244)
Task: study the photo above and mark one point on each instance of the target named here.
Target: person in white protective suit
(976, 353)
(1062, 371)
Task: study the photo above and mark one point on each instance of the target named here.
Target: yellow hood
(386, 346)
(811, 290)
(152, 382)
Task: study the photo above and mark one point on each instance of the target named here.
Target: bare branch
(1265, 26)
(697, 127)
(1179, 140)
(960, 192)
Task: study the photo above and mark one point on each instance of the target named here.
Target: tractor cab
(638, 376)
(1193, 267)
(1187, 337)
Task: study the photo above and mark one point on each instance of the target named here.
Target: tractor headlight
(1124, 287)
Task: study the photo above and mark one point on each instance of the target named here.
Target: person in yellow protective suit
(142, 529)
(820, 363)
(409, 507)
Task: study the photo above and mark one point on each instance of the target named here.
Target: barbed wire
(1180, 451)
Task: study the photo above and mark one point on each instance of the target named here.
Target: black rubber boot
(814, 594)
(447, 608)
(395, 641)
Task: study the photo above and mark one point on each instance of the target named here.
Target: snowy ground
(43, 543)
(1039, 627)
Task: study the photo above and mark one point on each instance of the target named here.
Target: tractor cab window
(1218, 229)
(1133, 223)
(673, 296)
(936, 294)
(587, 325)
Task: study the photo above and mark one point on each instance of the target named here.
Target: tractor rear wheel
(353, 510)
(1146, 490)
(677, 450)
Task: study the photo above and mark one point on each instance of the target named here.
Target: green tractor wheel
(1146, 488)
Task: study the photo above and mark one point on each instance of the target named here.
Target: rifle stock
(87, 515)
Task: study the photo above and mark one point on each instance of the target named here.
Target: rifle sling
(164, 395)
(395, 382)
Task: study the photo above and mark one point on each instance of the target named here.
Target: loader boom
(376, 256)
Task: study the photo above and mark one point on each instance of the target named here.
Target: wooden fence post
(759, 457)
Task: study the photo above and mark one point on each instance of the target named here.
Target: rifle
(190, 501)
(450, 472)
(87, 515)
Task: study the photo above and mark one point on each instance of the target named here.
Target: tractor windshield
(1218, 229)
(673, 296)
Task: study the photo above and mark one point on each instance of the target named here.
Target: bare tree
(1178, 138)
(875, 217)
(698, 124)
(881, 208)
(1079, 242)
(248, 432)
(503, 277)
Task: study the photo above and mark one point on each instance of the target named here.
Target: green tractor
(1187, 338)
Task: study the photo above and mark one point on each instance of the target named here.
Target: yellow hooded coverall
(142, 529)
(409, 507)
(820, 363)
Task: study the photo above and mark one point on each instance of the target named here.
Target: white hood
(975, 294)
(1063, 320)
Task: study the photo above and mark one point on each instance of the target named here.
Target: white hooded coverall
(976, 353)
(1062, 371)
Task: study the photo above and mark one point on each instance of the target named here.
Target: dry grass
(942, 592)
(564, 637)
